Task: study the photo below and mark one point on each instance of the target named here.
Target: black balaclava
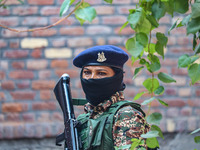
(98, 90)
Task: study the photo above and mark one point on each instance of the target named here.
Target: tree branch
(46, 27)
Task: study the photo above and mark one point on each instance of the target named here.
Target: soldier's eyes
(87, 72)
(102, 73)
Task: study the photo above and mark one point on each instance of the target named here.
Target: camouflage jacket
(129, 123)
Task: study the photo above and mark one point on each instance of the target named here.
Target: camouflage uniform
(129, 123)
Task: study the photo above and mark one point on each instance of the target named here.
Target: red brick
(68, 21)
(43, 84)
(2, 118)
(80, 42)
(29, 117)
(23, 95)
(41, 2)
(125, 31)
(183, 40)
(50, 10)
(16, 54)
(130, 93)
(36, 53)
(165, 19)
(114, 20)
(59, 64)
(194, 103)
(59, 42)
(115, 40)
(176, 103)
(172, 112)
(14, 44)
(21, 10)
(14, 107)
(124, 9)
(23, 84)
(181, 49)
(162, 29)
(104, 10)
(37, 64)
(197, 92)
(18, 131)
(47, 32)
(21, 74)
(57, 116)
(44, 74)
(169, 62)
(8, 34)
(170, 91)
(4, 12)
(3, 43)
(13, 2)
(2, 96)
(121, 2)
(45, 94)
(171, 40)
(13, 117)
(179, 71)
(92, 2)
(72, 31)
(2, 75)
(187, 111)
(44, 106)
(179, 31)
(18, 64)
(4, 64)
(8, 85)
(9, 21)
(35, 21)
(71, 72)
(92, 30)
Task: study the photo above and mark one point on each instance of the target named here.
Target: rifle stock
(63, 95)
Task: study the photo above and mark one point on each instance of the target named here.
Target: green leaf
(86, 13)
(197, 49)
(142, 61)
(158, 9)
(193, 26)
(109, 1)
(155, 63)
(134, 47)
(138, 95)
(152, 20)
(136, 142)
(159, 49)
(137, 70)
(186, 20)
(173, 26)
(148, 101)
(151, 48)
(151, 84)
(142, 38)
(165, 78)
(181, 6)
(152, 143)
(144, 26)
(122, 147)
(184, 61)
(194, 58)
(159, 91)
(195, 10)
(195, 131)
(136, 17)
(197, 139)
(162, 102)
(156, 128)
(162, 38)
(151, 134)
(65, 6)
(194, 72)
(22, 2)
(123, 26)
(154, 118)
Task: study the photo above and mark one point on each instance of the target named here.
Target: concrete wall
(32, 62)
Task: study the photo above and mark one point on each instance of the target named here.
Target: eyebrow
(97, 69)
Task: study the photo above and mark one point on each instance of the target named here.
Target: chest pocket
(96, 134)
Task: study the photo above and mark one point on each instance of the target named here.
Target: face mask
(98, 90)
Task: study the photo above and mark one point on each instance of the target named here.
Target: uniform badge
(101, 57)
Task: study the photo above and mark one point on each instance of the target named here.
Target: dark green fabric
(96, 134)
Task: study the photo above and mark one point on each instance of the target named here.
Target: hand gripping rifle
(63, 96)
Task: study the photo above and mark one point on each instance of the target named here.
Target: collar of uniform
(94, 110)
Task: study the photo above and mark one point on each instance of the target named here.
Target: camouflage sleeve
(129, 124)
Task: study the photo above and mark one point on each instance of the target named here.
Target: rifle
(63, 95)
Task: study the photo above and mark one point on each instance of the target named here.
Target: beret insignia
(101, 57)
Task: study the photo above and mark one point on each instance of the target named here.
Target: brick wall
(31, 63)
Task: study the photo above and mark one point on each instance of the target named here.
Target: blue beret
(106, 55)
